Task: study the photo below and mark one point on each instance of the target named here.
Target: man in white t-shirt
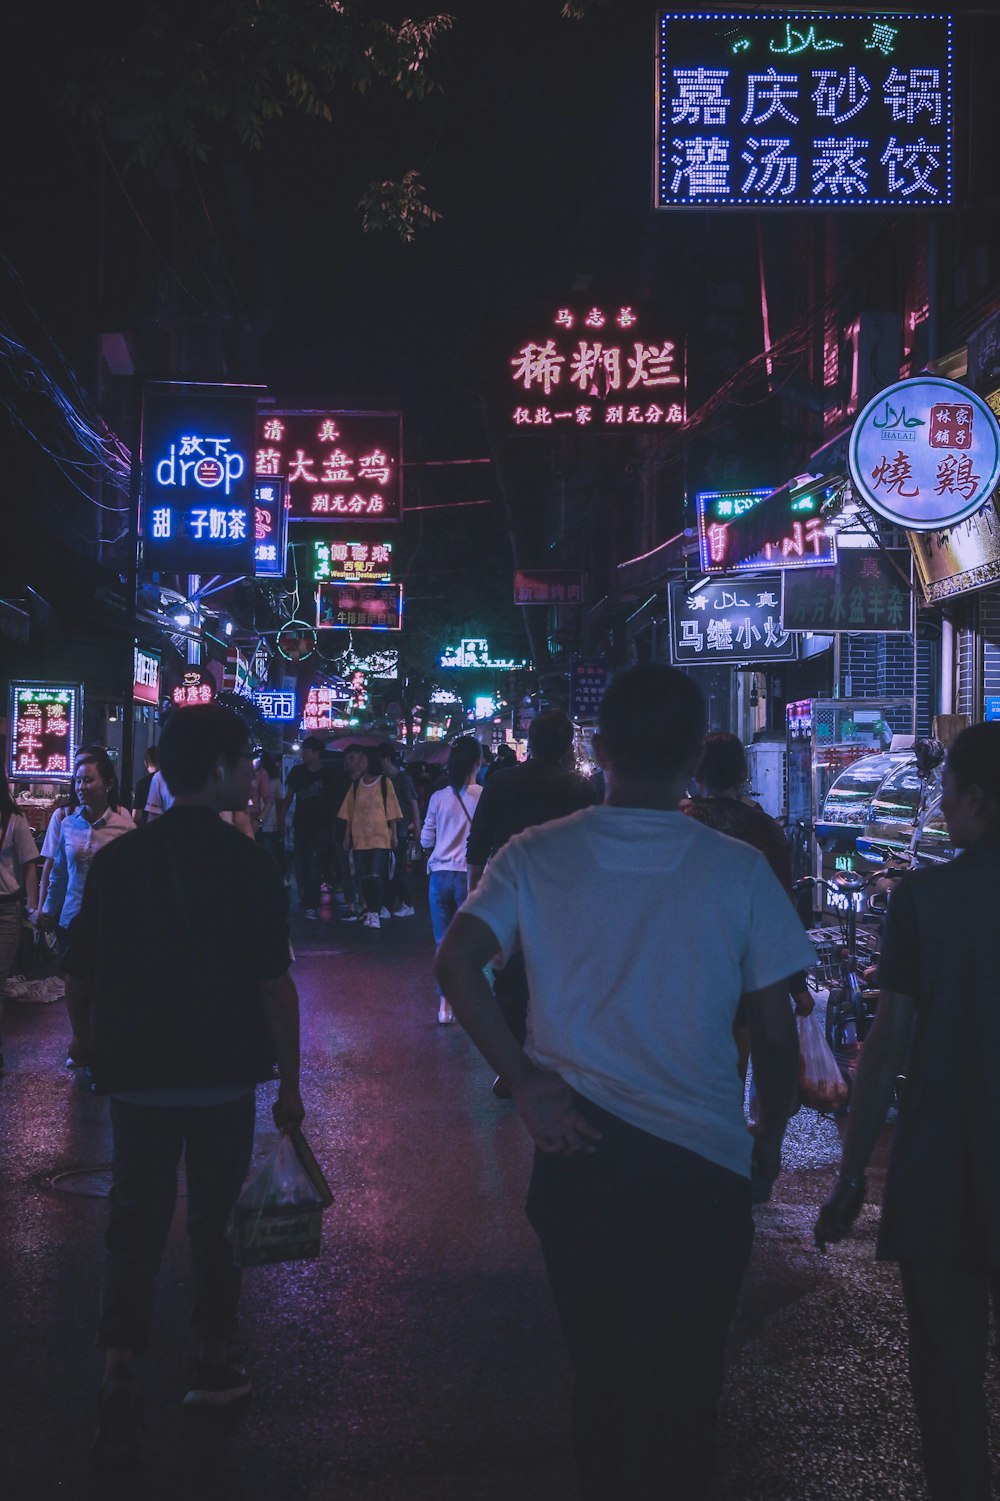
(641, 932)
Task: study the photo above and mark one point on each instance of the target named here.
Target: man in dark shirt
(318, 791)
(938, 1019)
(178, 985)
(514, 799)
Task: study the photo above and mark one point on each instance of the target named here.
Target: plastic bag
(279, 1213)
(821, 1084)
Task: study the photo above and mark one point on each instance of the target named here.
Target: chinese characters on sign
(197, 477)
(146, 676)
(189, 693)
(275, 704)
(339, 466)
(595, 366)
(270, 532)
(864, 592)
(474, 651)
(367, 607)
(925, 453)
(793, 536)
(367, 562)
(736, 622)
(321, 706)
(548, 586)
(587, 683)
(826, 109)
(43, 731)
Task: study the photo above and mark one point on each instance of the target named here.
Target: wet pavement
(418, 1359)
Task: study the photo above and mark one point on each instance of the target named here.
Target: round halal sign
(925, 453)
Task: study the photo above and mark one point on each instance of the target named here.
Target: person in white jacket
(445, 834)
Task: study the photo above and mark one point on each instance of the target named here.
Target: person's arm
(883, 1058)
(31, 884)
(428, 834)
(281, 1011)
(774, 1048)
(544, 1100)
(58, 881)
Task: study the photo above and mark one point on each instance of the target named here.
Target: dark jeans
(948, 1319)
(645, 1247)
(313, 852)
(217, 1142)
(372, 869)
(399, 883)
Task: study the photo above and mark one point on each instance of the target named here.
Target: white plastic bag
(821, 1084)
(279, 1213)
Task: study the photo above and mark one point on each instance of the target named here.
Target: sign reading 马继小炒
(548, 586)
(587, 682)
(351, 562)
(867, 590)
(925, 453)
(739, 530)
(365, 607)
(824, 109)
(276, 705)
(339, 466)
(736, 621)
(197, 477)
(474, 651)
(44, 718)
(146, 676)
(598, 365)
(270, 530)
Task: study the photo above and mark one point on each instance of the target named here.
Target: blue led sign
(824, 109)
(198, 477)
(275, 704)
(270, 529)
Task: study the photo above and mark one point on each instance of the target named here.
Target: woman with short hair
(445, 834)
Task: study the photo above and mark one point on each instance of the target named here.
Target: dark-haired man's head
(388, 756)
(205, 757)
(550, 736)
(355, 761)
(723, 763)
(970, 799)
(652, 724)
(312, 749)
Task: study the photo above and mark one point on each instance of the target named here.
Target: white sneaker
(406, 912)
(384, 912)
(371, 920)
(445, 1013)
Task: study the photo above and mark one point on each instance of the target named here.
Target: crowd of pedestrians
(616, 961)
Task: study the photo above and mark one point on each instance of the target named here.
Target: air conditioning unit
(870, 357)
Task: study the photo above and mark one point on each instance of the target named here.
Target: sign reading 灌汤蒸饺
(349, 562)
(270, 531)
(790, 533)
(822, 108)
(736, 621)
(607, 366)
(867, 590)
(44, 720)
(197, 477)
(339, 466)
(925, 453)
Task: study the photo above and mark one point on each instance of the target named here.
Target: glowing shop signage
(375, 664)
(366, 607)
(270, 531)
(339, 466)
(598, 366)
(43, 730)
(193, 689)
(794, 531)
(721, 622)
(868, 590)
(321, 706)
(275, 704)
(197, 477)
(474, 651)
(925, 453)
(368, 562)
(822, 109)
(146, 676)
(548, 586)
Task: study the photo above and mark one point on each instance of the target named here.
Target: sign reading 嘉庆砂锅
(734, 621)
(339, 466)
(826, 109)
(44, 720)
(598, 365)
(197, 477)
(925, 453)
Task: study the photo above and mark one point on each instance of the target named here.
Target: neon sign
(375, 664)
(825, 109)
(339, 466)
(368, 562)
(275, 704)
(270, 533)
(146, 676)
(729, 622)
(197, 477)
(43, 730)
(320, 708)
(474, 651)
(192, 690)
(595, 366)
(792, 538)
(366, 607)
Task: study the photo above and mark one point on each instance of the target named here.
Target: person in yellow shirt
(373, 817)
